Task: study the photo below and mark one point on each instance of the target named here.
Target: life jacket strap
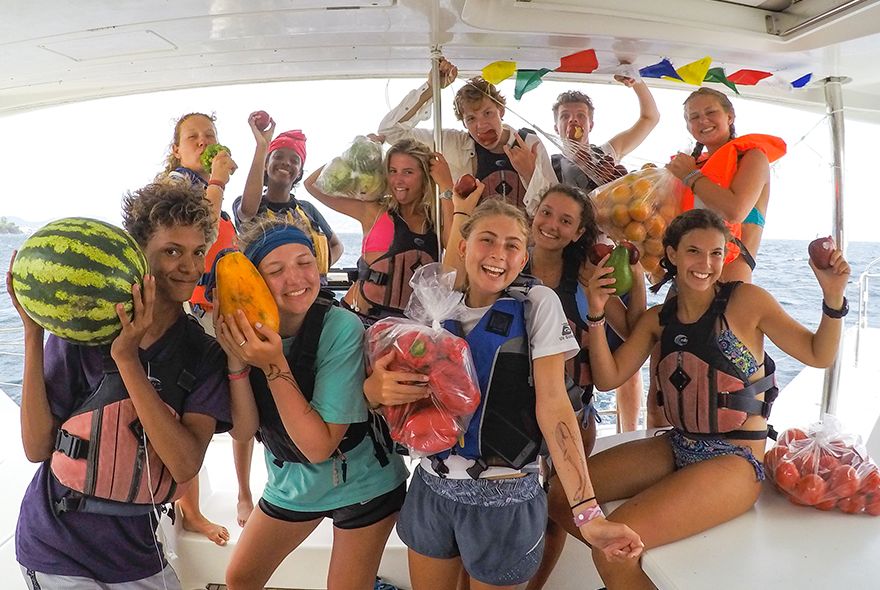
(368, 275)
(744, 252)
(71, 445)
(744, 399)
(477, 468)
(439, 466)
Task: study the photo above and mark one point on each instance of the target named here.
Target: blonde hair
(423, 155)
(254, 230)
(722, 99)
(492, 207)
(172, 161)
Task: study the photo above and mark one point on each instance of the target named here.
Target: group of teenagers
(542, 325)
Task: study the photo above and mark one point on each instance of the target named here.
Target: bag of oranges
(637, 208)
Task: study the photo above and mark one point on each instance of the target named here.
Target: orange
(653, 247)
(650, 263)
(668, 211)
(642, 188)
(601, 198)
(635, 232)
(621, 193)
(620, 215)
(639, 210)
(603, 216)
(655, 225)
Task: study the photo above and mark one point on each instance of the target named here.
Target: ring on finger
(243, 342)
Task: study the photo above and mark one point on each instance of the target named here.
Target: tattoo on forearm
(567, 443)
(275, 372)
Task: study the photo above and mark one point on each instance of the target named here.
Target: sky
(79, 159)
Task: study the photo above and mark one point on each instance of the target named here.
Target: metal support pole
(834, 108)
(436, 56)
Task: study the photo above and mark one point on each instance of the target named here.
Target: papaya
(622, 273)
(240, 286)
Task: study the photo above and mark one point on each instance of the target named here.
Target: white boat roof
(56, 51)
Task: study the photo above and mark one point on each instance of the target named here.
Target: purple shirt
(110, 549)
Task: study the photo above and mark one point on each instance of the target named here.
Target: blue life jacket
(503, 431)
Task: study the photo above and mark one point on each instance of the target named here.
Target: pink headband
(294, 140)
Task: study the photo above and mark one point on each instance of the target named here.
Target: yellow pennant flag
(693, 73)
(497, 71)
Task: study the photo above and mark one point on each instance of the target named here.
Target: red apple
(262, 120)
(633, 251)
(599, 251)
(465, 186)
(820, 251)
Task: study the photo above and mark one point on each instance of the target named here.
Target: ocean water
(782, 270)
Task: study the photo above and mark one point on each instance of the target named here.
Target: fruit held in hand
(622, 275)
(575, 132)
(207, 157)
(262, 120)
(820, 251)
(465, 186)
(633, 251)
(599, 251)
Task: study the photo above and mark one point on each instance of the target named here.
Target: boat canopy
(56, 51)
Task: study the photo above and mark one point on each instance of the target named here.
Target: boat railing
(872, 271)
(11, 345)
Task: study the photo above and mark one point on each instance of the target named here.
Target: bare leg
(263, 545)
(193, 520)
(629, 402)
(464, 580)
(429, 573)
(356, 555)
(242, 455)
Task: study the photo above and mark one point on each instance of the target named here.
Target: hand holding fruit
(599, 284)
(391, 388)
(257, 346)
(466, 193)
(831, 270)
(221, 166)
(125, 346)
(262, 126)
(29, 324)
(681, 165)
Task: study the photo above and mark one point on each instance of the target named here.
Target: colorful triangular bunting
(694, 72)
(498, 71)
(748, 77)
(661, 69)
(528, 80)
(802, 81)
(717, 75)
(582, 62)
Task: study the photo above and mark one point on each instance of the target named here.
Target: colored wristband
(582, 502)
(836, 313)
(239, 374)
(215, 182)
(591, 513)
(693, 174)
(462, 213)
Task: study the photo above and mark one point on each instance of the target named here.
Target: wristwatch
(447, 194)
(836, 313)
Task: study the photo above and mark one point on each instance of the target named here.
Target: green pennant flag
(528, 80)
(717, 75)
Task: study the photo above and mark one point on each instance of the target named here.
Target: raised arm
(462, 209)
(400, 122)
(253, 185)
(626, 141)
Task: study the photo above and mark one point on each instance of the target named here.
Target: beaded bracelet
(239, 374)
(587, 515)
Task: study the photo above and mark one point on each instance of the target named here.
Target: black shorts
(354, 516)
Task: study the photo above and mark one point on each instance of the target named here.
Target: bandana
(274, 238)
(294, 140)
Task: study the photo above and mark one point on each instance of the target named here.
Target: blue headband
(275, 237)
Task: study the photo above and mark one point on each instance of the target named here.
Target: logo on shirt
(566, 331)
(680, 340)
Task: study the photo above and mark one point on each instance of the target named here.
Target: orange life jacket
(225, 239)
(721, 167)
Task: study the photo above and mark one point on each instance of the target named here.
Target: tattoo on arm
(567, 443)
(275, 372)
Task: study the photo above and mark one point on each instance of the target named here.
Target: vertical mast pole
(834, 108)
(436, 55)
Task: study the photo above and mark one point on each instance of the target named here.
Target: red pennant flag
(582, 62)
(748, 77)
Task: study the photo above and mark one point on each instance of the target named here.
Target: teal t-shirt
(339, 399)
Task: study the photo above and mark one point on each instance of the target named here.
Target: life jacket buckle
(70, 445)
(69, 503)
(477, 468)
(439, 467)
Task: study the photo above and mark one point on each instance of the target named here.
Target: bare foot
(199, 524)
(244, 507)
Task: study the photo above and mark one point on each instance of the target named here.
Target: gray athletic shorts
(41, 581)
(496, 526)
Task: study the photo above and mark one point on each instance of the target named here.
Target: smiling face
(707, 121)
(557, 222)
(291, 273)
(406, 180)
(195, 134)
(177, 259)
(283, 166)
(570, 113)
(699, 258)
(483, 121)
(494, 254)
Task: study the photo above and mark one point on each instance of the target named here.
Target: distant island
(8, 227)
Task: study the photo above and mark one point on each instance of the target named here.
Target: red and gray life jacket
(302, 358)
(102, 452)
(703, 393)
(384, 284)
(503, 431)
(501, 179)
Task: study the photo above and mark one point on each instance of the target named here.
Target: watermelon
(69, 276)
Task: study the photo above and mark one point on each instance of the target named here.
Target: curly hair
(423, 155)
(473, 92)
(491, 207)
(254, 230)
(172, 161)
(722, 99)
(166, 203)
(572, 96)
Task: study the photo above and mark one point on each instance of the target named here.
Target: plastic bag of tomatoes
(637, 208)
(421, 345)
(824, 468)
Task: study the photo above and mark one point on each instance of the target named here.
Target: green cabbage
(370, 185)
(364, 155)
(208, 155)
(337, 178)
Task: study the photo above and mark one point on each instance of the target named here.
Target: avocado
(622, 274)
